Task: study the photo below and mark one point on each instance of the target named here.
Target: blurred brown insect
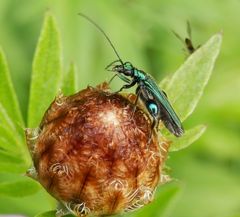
(189, 47)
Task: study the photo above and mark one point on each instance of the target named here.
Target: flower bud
(93, 153)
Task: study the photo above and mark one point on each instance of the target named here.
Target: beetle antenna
(101, 30)
(112, 78)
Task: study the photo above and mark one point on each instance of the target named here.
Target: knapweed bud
(92, 152)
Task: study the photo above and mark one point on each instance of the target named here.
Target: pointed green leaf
(164, 198)
(70, 81)
(46, 74)
(19, 188)
(189, 137)
(186, 86)
(8, 97)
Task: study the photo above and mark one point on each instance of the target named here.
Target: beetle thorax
(139, 74)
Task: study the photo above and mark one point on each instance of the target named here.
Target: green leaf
(189, 137)
(164, 198)
(70, 81)
(186, 85)
(51, 214)
(10, 157)
(46, 74)
(19, 188)
(8, 97)
(47, 214)
(5, 119)
(165, 81)
(12, 167)
(8, 139)
(7, 146)
(12, 137)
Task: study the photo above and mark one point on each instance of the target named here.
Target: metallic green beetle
(152, 96)
(147, 90)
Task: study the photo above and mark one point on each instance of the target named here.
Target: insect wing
(168, 115)
(168, 121)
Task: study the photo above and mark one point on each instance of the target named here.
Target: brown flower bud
(93, 154)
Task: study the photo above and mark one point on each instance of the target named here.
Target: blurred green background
(209, 170)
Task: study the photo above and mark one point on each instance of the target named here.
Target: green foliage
(9, 157)
(47, 214)
(46, 74)
(21, 188)
(8, 166)
(8, 97)
(164, 198)
(46, 79)
(70, 81)
(13, 155)
(189, 137)
(52, 214)
(10, 115)
(8, 140)
(186, 86)
(184, 89)
(6, 122)
(184, 81)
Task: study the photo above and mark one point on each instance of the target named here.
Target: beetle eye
(128, 66)
(118, 68)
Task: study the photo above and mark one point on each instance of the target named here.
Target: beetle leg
(126, 86)
(151, 132)
(157, 124)
(138, 92)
